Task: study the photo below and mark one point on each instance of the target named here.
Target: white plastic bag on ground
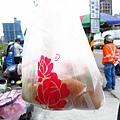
(59, 71)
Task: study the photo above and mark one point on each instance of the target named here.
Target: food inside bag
(59, 71)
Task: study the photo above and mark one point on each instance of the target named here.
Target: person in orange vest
(110, 60)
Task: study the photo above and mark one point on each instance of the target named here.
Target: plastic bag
(11, 105)
(59, 71)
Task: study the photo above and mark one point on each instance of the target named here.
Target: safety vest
(110, 53)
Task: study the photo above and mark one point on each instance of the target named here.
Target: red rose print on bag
(52, 92)
(44, 68)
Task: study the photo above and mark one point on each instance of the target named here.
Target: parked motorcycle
(13, 74)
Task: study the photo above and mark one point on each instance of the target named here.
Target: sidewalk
(108, 110)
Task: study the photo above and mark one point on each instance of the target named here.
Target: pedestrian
(110, 60)
(17, 51)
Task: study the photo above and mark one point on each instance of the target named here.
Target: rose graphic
(44, 68)
(51, 91)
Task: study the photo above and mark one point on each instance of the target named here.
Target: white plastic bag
(59, 71)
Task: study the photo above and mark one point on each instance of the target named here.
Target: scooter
(13, 75)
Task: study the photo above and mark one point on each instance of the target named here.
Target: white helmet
(108, 38)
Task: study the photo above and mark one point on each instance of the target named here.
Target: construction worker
(110, 60)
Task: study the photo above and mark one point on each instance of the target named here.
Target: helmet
(108, 38)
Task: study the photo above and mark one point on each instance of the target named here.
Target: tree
(2, 49)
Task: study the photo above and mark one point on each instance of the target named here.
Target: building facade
(106, 6)
(12, 31)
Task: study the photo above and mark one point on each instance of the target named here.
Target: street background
(108, 110)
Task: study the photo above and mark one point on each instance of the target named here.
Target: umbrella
(106, 20)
